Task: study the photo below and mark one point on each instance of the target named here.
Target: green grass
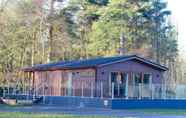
(31, 115)
(161, 111)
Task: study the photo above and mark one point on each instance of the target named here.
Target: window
(137, 78)
(87, 74)
(147, 78)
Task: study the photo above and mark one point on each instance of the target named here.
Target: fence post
(92, 90)
(101, 89)
(112, 90)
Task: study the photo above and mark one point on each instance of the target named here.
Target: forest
(42, 31)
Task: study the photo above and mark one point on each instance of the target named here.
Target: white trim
(110, 84)
(69, 84)
(126, 86)
(135, 57)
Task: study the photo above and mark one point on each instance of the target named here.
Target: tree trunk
(50, 31)
(122, 44)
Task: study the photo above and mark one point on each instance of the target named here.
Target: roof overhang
(153, 64)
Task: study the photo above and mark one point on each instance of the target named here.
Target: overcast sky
(178, 8)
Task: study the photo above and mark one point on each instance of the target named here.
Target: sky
(178, 9)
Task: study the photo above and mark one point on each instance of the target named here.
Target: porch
(85, 84)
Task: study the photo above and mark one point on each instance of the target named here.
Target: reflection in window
(146, 79)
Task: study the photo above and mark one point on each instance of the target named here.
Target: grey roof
(90, 63)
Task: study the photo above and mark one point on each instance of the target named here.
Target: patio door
(137, 82)
(147, 86)
(142, 85)
(120, 81)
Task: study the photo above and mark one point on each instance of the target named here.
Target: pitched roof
(91, 63)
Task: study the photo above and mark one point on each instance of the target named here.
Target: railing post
(44, 93)
(82, 89)
(4, 92)
(101, 90)
(118, 89)
(73, 90)
(92, 90)
(126, 87)
(152, 91)
(112, 90)
(27, 92)
(140, 87)
(8, 89)
(164, 91)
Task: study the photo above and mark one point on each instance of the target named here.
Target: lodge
(126, 77)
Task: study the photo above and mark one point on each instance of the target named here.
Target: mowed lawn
(32, 115)
(161, 111)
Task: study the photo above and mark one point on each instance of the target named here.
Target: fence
(101, 90)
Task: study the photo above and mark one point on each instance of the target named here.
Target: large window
(147, 78)
(137, 78)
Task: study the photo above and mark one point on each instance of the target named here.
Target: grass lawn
(31, 115)
(161, 111)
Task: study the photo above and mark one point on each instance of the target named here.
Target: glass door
(137, 82)
(120, 81)
(147, 85)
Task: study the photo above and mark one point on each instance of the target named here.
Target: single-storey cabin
(127, 77)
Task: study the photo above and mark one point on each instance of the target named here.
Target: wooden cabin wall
(56, 82)
(38, 80)
(80, 77)
(51, 80)
(83, 79)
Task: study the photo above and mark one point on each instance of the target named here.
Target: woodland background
(42, 31)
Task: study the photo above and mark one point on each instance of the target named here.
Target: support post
(112, 90)
(118, 89)
(43, 93)
(92, 90)
(142, 85)
(152, 91)
(126, 86)
(73, 91)
(27, 85)
(4, 92)
(8, 88)
(101, 90)
(82, 89)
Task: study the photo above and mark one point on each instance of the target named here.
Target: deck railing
(103, 90)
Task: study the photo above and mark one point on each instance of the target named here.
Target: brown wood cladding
(56, 82)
